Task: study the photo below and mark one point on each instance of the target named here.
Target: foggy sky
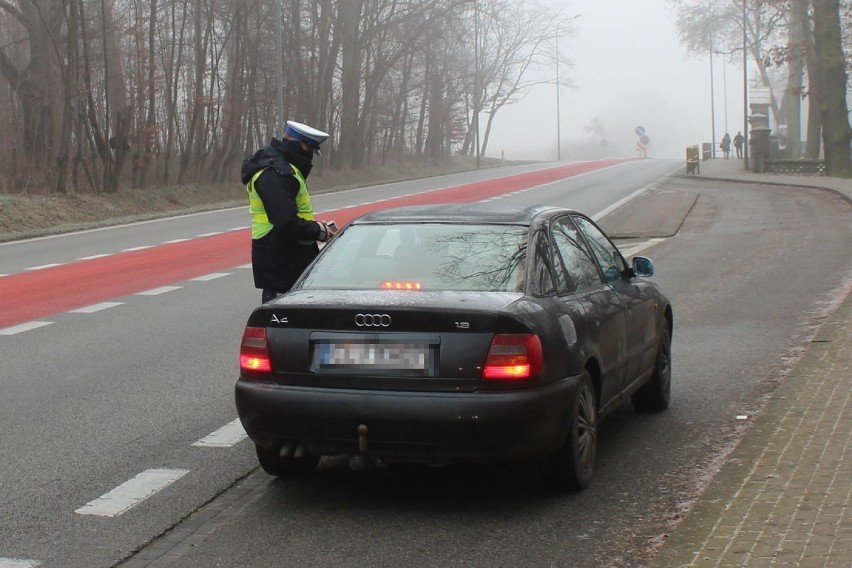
(629, 70)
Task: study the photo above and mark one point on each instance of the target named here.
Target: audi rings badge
(372, 320)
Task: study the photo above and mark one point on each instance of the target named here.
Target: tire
(655, 395)
(289, 468)
(572, 466)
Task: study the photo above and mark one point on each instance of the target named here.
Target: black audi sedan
(456, 333)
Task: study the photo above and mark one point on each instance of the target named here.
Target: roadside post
(692, 160)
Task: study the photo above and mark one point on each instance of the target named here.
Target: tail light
(515, 356)
(254, 355)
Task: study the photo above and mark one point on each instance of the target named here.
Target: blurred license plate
(389, 356)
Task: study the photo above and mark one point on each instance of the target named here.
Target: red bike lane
(31, 295)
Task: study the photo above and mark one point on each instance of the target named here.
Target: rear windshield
(423, 257)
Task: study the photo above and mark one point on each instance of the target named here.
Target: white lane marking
(111, 227)
(131, 492)
(604, 212)
(43, 266)
(94, 256)
(209, 234)
(3, 275)
(629, 251)
(245, 265)
(96, 307)
(238, 228)
(134, 249)
(211, 276)
(225, 437)
(158, 291)
(18, 563)
(15, 329)
(174, 241)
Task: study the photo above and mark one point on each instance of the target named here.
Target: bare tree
(706, 27)
(182, 89)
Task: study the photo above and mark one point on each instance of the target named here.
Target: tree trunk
(349, 19)
(36, 84)
(792, 101)
(814, 135)
(832, 79)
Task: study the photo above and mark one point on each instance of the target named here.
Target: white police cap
(307, 134)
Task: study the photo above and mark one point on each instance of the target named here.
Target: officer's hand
(326, 231)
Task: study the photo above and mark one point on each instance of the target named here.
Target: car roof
(488, 213)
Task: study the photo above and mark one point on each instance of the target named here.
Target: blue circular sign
(640, 131)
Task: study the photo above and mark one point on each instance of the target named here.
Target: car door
(635, 297)
(579, 280)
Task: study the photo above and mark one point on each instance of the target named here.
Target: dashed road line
(134, 249)
(94, 256)
(208, 234)
(228, 435)
(20, 328)
(629, 251)
(209, 277)
(18, 563)
(43, 266)
(158, 291)
(131, 492)
(96, 307)
(174, 241)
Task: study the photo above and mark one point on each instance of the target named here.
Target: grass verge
(27, 216)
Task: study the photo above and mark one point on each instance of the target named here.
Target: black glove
(327, 230)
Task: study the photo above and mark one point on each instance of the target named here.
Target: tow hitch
(363, 461)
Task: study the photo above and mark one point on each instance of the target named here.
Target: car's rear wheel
(654, 396)
(572, 466)
(289, 467)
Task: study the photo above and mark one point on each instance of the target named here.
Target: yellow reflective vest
(260, 225)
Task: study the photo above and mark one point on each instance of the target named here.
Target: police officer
(283, 230)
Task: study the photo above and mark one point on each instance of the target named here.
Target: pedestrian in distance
(284, 233)
(726, 145)
(738, 143)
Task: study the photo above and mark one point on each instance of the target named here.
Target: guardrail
(693, 160)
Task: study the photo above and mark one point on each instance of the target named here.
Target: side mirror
(642, 266)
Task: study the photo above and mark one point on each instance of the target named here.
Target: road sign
(640, 131)
(645, 140)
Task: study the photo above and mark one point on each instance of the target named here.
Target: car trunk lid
(400, 340)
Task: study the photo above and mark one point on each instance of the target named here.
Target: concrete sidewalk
(784, 496)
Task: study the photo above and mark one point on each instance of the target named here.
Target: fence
(795, 167)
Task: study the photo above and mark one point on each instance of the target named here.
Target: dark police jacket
(279, 257)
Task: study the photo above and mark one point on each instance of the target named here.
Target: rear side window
(431, 256)
(580, 269)
(611, 262)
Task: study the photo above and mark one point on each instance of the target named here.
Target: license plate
(403, 356)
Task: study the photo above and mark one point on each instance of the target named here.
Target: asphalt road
(93, 399)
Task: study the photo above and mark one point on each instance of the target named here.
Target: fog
(627, 69)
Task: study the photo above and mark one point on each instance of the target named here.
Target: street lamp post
(558, 120)
(558, 84)
(745, 91)
(476, 78)
(712, 106)
(279, 72)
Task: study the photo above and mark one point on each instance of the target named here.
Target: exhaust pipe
(287, 449)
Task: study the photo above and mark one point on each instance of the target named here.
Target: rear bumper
(418, 426)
